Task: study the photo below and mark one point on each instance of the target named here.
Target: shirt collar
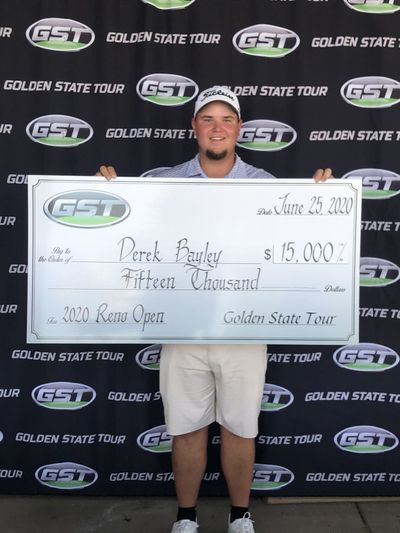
(237, 171)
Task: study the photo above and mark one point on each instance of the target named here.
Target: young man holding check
(199, 383)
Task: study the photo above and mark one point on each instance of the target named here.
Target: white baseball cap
(217, 94)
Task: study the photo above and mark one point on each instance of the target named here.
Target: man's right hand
(107, 171)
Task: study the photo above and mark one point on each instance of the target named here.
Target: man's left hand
(323, 174)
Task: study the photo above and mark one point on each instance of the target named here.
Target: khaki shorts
(204, 383)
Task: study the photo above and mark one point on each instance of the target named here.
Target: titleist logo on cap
(216, 92)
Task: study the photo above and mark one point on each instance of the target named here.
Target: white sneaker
(242, 525)
(185, 526)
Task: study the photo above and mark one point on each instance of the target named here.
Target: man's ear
(194, 127)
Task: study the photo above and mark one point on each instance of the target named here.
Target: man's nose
(217, 125)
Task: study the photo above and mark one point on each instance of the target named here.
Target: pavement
(86, 514)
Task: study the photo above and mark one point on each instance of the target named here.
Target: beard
(216, 156)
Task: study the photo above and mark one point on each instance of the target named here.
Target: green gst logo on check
(86, 209)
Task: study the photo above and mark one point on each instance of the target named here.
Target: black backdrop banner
(100, 81)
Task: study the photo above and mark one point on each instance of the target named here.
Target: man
(199, 384)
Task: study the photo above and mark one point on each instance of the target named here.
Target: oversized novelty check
(150, 260)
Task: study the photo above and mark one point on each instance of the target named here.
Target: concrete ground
(72, 514)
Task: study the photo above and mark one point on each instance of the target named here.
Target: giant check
(203, 260)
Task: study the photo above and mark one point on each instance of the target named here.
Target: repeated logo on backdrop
(377, 272)
(66, 476)
(169, 4)
(266, 135)
(265, 40)
(275, 398)
(366, 357)
(149, 358)
(378, 184)
(63, 395)
(59, 131)
(167, 89)
(376, 7)
(60, 35)
(270, 477)
(371, 92)
(366, 439)
(155, 440)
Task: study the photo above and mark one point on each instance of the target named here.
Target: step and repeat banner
(114, 82)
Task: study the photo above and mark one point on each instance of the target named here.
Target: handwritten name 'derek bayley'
(184, 253)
